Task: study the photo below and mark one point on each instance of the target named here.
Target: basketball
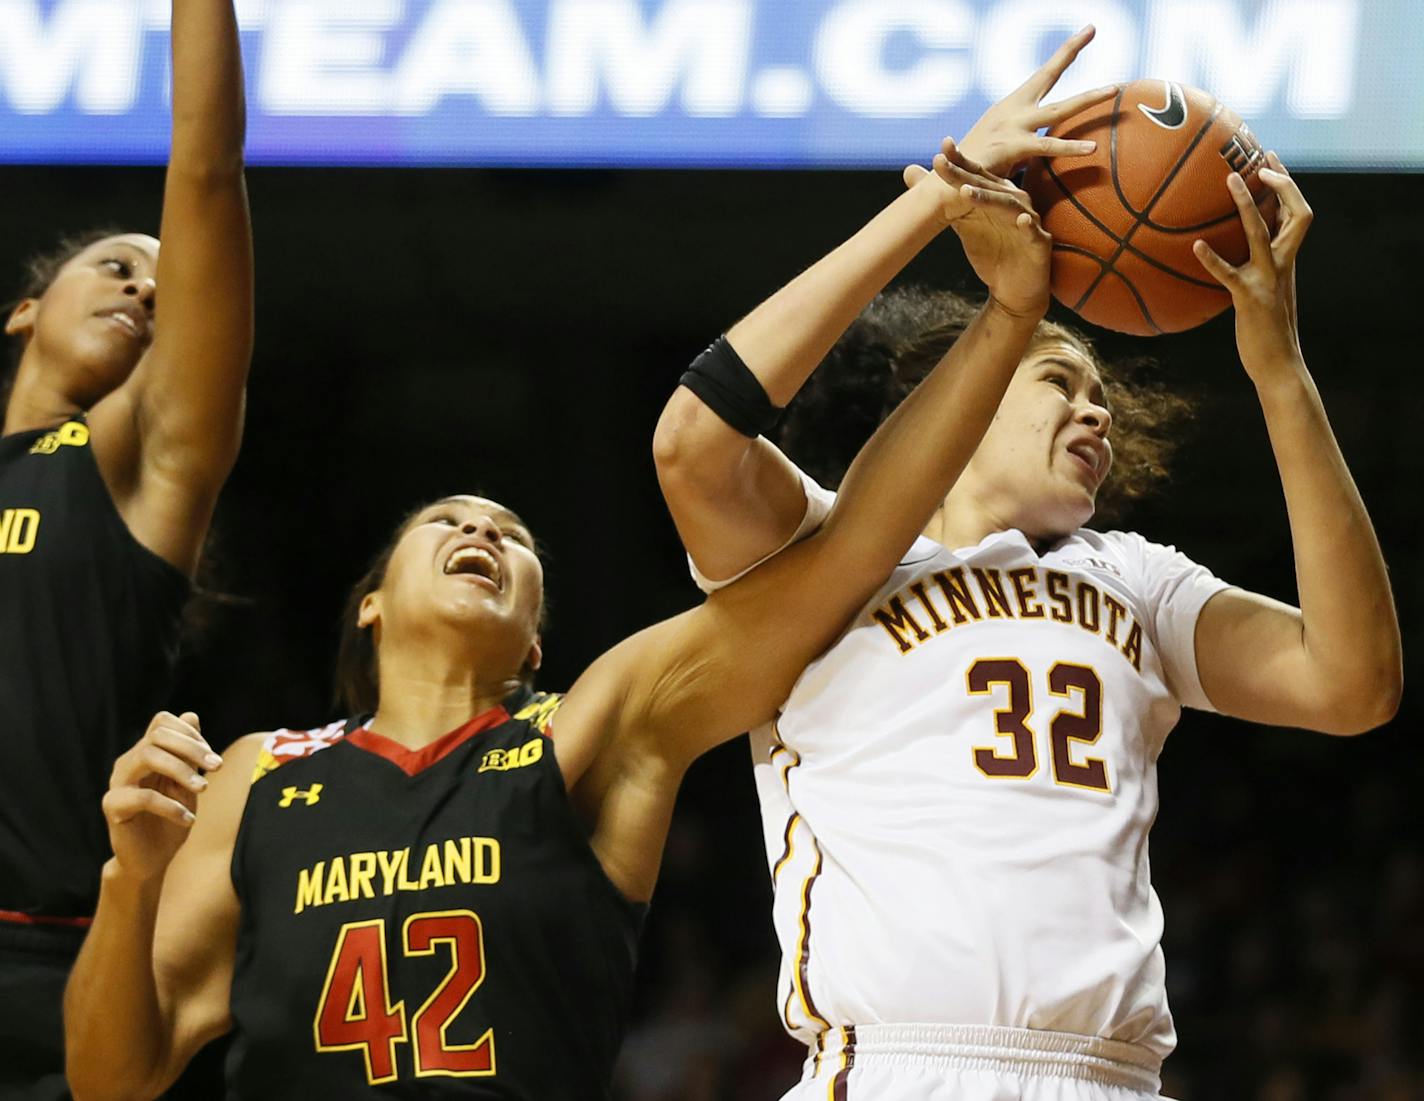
(1124, 217)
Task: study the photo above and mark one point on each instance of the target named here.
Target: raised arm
(1334, 664)
(152, 982)
(169, 436)
(736, 498)
(652, 704)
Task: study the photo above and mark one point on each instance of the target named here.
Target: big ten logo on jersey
(502, 760)
(19, 528)
(69, 434)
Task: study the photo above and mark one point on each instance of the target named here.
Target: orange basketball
(1123, 218)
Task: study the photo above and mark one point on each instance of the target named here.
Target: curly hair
(897, 340)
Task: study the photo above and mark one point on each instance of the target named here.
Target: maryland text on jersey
(948, 599)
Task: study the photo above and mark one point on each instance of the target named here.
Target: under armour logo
(1172, 114)
(291, 795)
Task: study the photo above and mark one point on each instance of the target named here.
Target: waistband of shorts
(1024, 1051)
(28, 934)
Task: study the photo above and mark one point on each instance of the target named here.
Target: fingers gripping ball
(1123, 218)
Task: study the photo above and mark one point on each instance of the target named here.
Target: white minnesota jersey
(957, 796)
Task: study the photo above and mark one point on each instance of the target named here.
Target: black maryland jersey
(89, 623)
(428, 924)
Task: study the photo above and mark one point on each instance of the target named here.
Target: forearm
(209, 114)
(736, 500)
(116, 1035)
(904, 473)
(1350, 631)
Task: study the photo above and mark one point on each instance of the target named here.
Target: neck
(963, 521)
(33, 404)
(421, 700)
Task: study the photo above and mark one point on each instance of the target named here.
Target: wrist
(1025, 315)
(129, 885)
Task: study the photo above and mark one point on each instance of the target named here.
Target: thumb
(914, 173)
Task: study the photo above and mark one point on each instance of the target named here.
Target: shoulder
(268, 751)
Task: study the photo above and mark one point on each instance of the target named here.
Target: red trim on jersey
(39, 919)
(411, 761)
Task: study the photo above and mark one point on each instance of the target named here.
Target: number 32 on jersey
(355, 1012)
(1078, 685)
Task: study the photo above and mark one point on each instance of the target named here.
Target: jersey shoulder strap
(538, 711)
(282, 746)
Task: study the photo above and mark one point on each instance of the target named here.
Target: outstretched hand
(1007, 134)
(1263, 288)
(995, 221)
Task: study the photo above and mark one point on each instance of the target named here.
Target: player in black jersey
(422, 903)
(119, 430)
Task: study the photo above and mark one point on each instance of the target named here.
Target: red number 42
(355, 1012)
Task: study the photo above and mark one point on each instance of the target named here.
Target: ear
(535, 657)
(22, 318)
(370, 611)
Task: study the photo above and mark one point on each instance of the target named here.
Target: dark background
(516, 333)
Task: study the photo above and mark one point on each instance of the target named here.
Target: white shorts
(974, 1063)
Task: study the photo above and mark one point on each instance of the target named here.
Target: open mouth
(475, 562)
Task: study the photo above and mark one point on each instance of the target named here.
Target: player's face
(467, 561)
(1046, 453)
(95, 320)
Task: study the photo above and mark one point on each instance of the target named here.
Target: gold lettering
(406, 883)
(896, 620)
(363, 870)
(336, 890)
(957, 595)
(1116, 611)
(1029, 607)
(991, 584)
(486, 860)
(1058, 593)
(18, 529)
(430, 871)
(918, 588)
(1089, 614)
(309, 886)
(457, 861)
(532, 751)
(1132, 648)
(73, 434)
(392, 865)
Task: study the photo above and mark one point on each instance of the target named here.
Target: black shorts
(34, 964)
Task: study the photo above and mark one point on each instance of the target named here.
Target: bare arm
(169, 436)
(735, 500)
(1334, 664)
(651, 705)
(152, 981)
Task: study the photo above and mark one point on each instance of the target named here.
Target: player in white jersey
(957, 795)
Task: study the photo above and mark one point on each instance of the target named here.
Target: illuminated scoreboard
(1328, 83)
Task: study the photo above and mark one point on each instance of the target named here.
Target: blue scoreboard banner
(1332, 84)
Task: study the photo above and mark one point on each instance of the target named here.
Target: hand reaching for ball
(1263, 288)
(996, 223)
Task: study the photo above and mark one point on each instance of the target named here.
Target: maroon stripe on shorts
(841, 1086)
